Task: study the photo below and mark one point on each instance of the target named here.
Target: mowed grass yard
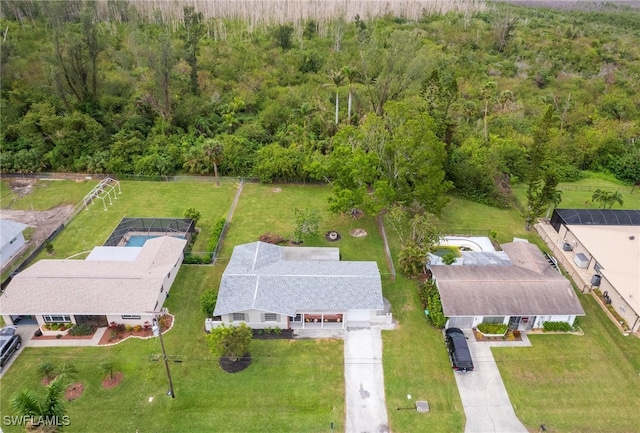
(571, 383)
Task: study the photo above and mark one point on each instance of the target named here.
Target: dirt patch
(112, 381)
(44, 222)
(74, 391)
(235, 366)
(277, 190)
(358, 233)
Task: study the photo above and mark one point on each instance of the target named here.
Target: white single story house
(269, 286)
(11, 240)
(605, 244)
(523, 291)
(113, 284)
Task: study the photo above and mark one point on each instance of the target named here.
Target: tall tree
(440, 90)
(352, 75)
(213, 151)
(336, 77)
(607, 198)
(193, 31)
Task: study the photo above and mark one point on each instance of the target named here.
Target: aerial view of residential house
(11, 240)
(519, 287)
(604, 245)
(113, 284)
(268, 285)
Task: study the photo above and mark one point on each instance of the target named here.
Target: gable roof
(9, 230)
(94, 286)
(276, 279)
(530, 286)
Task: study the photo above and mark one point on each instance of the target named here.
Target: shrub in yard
(81, 330)
(208, 301)
(230, 341)
(556, 327)
(430, 300)
(492, 328)
(194, 214)
(47, 369)
(449, 258)
(108, 368)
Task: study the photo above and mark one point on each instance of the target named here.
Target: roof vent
(631, 238)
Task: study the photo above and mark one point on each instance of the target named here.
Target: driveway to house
(484, 397)
(364, 382)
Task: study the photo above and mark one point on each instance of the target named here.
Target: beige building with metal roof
(114, 284)
(613, 253)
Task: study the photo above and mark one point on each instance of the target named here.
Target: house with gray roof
(11, 240)
(523, 294)
(113, 284)
(270, 286)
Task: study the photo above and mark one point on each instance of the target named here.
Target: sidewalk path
(364, 382)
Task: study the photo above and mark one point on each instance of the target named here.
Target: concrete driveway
(364, 382)
(26, 332)
(484, 397)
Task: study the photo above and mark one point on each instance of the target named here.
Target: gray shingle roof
(9, 230)
(529, 287)
(262, 276)
(94, 287)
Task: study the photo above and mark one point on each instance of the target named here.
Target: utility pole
(158, 333)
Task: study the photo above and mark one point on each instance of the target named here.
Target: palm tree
(607, 198)
(336, 78)
(49, 407)
(213, 151)
(353, 76)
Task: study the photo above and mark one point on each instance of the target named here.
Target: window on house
(156, 307)
(169, 275)
(162, 288)
(493, 319)
(56, 318)
(598, 267)
(238, 316)
(270, 317)
(130, 317)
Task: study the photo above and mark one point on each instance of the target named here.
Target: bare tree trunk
(337, 106)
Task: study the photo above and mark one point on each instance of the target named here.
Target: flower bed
(493, 329)
(55, 329)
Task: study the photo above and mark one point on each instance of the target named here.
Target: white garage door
(462, 322)
(358, 316)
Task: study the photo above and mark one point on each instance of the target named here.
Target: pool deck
(477, 243)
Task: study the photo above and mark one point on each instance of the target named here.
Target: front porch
(317, 321)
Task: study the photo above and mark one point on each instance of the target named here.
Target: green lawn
(261, 210)
(462, 216)
(576, 383)
(291, 385)
(46, 194)
(144, 199)
(299, 385)
(578, 194)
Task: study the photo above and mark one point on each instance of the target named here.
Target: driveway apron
(484, 397)
(364, 381)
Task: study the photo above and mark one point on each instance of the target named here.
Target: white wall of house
(8, 250)
(167, 283)
(465, 321)
(117, 318)
(570, 319)
(257, 319)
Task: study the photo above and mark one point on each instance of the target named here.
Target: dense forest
(387, 101)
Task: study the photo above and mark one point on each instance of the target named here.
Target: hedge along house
(522, 292)
(113, 284)
(270, 286)
(11, 240)
(605, 246)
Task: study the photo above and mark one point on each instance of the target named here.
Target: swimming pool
(139, 240)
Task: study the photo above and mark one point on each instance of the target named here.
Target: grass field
(145, 199)
(45, 194)
(576, 383)
(578, 194)
(290, 386)
(570, 383)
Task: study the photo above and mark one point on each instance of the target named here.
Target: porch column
(321, 320)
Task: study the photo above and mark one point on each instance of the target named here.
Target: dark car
(458, 350)
(10, 342)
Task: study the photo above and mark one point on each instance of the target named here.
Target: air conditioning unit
(566, 246)
(596, 279)
(581, 260)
